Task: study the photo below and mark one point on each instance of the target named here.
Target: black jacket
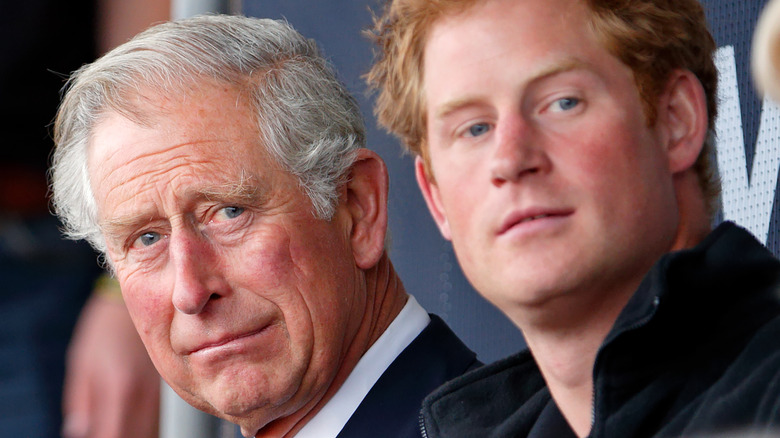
(695, 351)
(391, 408)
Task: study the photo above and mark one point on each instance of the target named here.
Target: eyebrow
(560, 67)
(115, 230)
(244, 191)
(241, 192)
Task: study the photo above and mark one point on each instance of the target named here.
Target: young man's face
(546, 177)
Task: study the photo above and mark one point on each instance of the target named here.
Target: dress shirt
(329, 421)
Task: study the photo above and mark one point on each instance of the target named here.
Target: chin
(230, 402)
(243, 401)
(253, 398)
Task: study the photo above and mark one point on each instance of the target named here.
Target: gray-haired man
(219, 165)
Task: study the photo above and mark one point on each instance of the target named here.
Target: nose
(198, 278)
(517, 152)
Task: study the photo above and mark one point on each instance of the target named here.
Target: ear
(683, 111)
(430, 192)
(366, 201)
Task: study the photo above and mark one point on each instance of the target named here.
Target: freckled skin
(193, 271)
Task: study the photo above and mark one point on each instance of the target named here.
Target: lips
(529, 215)
(224, 339)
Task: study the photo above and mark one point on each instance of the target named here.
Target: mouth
(533, 218)
(525, 218)
(226, 341)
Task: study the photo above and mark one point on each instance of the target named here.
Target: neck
(385, 297)
(388, 298)
(565, 334)
(565, 349)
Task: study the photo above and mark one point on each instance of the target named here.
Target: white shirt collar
(329, 421)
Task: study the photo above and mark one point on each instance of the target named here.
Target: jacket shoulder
(500, 399)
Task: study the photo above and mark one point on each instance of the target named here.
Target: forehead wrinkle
(242, 190)
(151, 128)
(171, 148)
(149, 175)
(166, 164)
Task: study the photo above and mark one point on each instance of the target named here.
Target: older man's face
(245, 301)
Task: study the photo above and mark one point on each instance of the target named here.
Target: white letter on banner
(746, 202)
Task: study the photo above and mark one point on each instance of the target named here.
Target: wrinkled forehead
(202, 131)
(190, 109)
(147, 101)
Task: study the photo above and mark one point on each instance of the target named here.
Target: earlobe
(684, 112)
(366, 201)
(432, 198)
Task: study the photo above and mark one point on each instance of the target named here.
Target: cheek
(626, 180)
(267, 267)
(460, 191)
(264, 264)
(468, 210)
(599, 161)
(324, 273)
(150, 309)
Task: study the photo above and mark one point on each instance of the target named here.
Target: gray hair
(308, 121)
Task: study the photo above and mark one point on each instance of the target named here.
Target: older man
(219, 165)
(563, 146)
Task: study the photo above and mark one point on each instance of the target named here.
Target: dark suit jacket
(391, 408)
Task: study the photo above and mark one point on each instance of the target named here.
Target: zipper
(638, 324)
(421, 423)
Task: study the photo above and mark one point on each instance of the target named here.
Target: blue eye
(149, 238)
(478, 129)
(565, 104)
(233, 212)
